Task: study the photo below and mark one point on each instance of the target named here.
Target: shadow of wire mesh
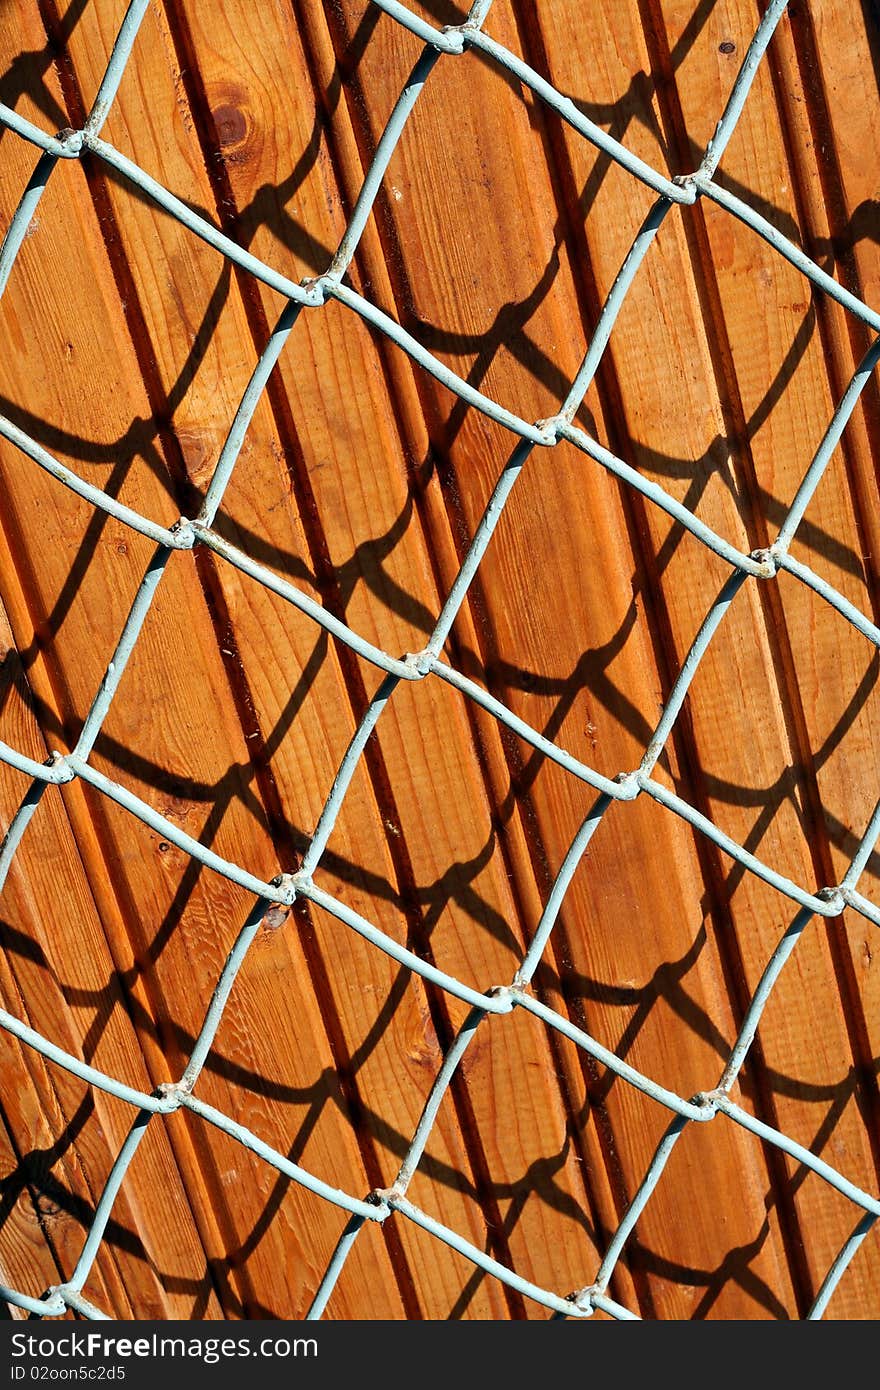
(489, 1005)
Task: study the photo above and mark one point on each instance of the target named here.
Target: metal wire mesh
(502, 998)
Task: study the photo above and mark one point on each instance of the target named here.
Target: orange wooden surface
(495, 239)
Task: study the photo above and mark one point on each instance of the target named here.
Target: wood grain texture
(495, 238)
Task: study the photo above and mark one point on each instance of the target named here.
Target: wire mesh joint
(53, 1297)
(419, 664)
(630, 784)
(382, 1198)
(768, 562)
(62, 770)
(837, 898)
(183, 533)
(551, 428)
(504, 994)
(286, 887)
(316, 288)
(171, 1094)
(582, 1299)
(451, 38)
(689, 186)
(706, 1102)
(71, 142)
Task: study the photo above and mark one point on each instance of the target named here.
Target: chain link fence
(713, 1105)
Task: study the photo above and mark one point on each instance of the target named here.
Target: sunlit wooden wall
(126, 345)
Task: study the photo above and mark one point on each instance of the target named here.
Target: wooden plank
(831, 87)
(27, 1257)
(69, 1135)
(370, 510)
(497, 234)
(482, 204)
(421, 1077)
(172, 936)
(785, 412)
(802, 1073)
